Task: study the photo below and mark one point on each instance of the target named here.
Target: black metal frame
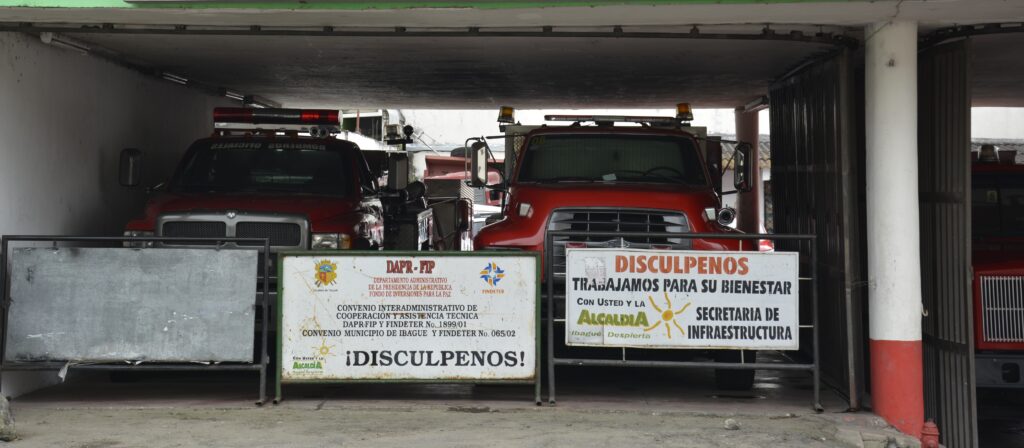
(261, 365)
(552, 361)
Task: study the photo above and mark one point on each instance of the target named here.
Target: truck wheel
(728, 379)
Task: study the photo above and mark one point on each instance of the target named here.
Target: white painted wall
(64, 119)
(997, 123)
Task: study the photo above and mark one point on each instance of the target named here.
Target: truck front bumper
(999, 370)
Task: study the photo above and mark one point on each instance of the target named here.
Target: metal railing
(262, 365)
(550, 299)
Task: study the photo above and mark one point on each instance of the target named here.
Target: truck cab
(648, 178)
(269, 173)
(997, 227)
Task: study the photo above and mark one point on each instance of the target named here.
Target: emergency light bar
(610, 118)
(275, 116)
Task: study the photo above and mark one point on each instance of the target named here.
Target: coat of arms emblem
(326, 273)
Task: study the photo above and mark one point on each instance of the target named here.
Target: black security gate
(815, 191)
(944, 142)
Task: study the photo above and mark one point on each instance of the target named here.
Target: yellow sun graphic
(324, 349)
(668, 317)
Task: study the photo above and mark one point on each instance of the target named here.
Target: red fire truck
(267, 173)
(997, 209)
(620, 174)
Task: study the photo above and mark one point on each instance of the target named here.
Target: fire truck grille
(1002, 308)
(195, 229)
(655, 222)
(280, 234)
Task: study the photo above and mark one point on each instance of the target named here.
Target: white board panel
(408, 317)
(682, 299)
(117, 304)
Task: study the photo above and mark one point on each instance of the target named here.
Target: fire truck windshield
(997, 205)
(612, 158)
(286, 167)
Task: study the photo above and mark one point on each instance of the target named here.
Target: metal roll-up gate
(815, 191)
(944, 141)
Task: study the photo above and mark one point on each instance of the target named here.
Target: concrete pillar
(893, 231)
(749, 205)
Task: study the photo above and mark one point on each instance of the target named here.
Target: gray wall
(64, 117)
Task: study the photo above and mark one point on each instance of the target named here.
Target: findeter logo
(492, 274)
(326, 273)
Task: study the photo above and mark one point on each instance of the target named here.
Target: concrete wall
(997, 122)
(64, 119)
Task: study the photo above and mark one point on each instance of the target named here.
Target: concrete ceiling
(998, 70)
(473, 72)
(526, 72)
(930, 13)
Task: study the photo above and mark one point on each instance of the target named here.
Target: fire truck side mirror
(129, 172)
(478, 164)
(398, 172)
(744, 163)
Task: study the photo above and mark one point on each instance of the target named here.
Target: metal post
(549, 266)
(4, 303)
(265, 357)
(814, 322)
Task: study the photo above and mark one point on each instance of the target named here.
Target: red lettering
(399, 267)
(730, 265)
(691, 262)
(621, 263)
(743, 266)
(715, 265)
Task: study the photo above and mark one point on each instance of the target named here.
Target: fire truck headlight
(136, 233)
(330, 241)
(726, 216)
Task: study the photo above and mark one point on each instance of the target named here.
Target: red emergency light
(275, 116)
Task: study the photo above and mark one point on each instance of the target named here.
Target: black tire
(735, 380)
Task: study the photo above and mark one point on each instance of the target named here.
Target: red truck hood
(318, 208)
(1009, 262)
(528, 231)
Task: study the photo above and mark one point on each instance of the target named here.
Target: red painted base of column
(897, 384)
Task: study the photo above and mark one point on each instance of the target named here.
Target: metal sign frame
(536, 381)
(550, 299)
(260, 365)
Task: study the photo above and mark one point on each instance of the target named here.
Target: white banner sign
(682, 299)
(401, 317)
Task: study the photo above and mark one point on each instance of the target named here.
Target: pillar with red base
(893, 232)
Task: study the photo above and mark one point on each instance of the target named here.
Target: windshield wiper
(645, 177)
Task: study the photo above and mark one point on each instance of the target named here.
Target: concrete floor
(597, 407)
